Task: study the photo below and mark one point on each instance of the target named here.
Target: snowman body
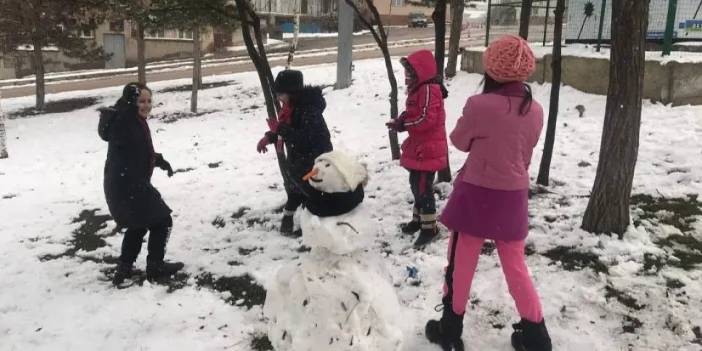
(338, 297)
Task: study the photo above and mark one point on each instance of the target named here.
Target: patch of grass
(488, 248)
(218, 222)
(631, 324)
(623, 298)
(672, 283)
(247, 251)
(172, 117)
(215, 164)
(573, 259)
(261, 343)
(686, 248)
(59, 106)
(240, 212)
(243, 289)
(189, 87)
(681, 212)
(85, 237)
(652, 262)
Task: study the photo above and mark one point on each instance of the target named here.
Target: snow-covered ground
(600, 292)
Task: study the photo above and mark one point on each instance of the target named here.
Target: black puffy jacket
(132, 200)
(307, 135)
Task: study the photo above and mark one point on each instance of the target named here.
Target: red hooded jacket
(424, 118)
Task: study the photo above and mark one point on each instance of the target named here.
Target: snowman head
(335, 172)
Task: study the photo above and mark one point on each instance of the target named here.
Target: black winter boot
(160, 271)
(122, 272)
(412, 226)
(530, 336)
(447, 331)
(426, 236)
(286, 225)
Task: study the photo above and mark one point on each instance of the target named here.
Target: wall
(673, 82)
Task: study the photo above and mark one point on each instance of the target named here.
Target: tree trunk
(381, 39)
(608, 208)
(3, 133)
(439, 17)
(141, 53)
(545, 166)
(455, 38)
(197, 68)
(525, 19)
(293, 46)
(249, 20)
(39, 74)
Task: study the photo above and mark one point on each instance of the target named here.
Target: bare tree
(257, 52)
(525, 18)
(608, 208)
(296, 32)
(43, 24)
(439, 18)
(3, 133)
(195, 16)
(455, 37)
(545, 166)
(381, 39)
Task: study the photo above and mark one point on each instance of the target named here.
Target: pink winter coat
(499, 139)
(424, 118)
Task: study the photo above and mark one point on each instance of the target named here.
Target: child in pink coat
(499, 128)
(425, 151)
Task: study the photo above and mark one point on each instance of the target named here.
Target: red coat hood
(423, 64)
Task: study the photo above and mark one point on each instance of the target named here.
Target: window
(185, 34)
(303, 7)
(155, 33)
(398, 3)
(117, 26)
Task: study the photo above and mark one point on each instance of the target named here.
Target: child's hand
(261, 146)
(396, 124)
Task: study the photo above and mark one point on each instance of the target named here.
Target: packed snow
(57, 244)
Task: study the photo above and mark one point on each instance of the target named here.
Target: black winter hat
(288, 81)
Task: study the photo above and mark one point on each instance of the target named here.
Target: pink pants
(513, 265)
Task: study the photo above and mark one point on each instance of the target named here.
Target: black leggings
(422, 184)
(158, 238)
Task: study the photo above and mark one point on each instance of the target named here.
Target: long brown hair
(490, 85)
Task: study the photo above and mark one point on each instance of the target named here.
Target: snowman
(337, 297)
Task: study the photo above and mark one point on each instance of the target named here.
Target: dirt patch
(244, 291)
(623, 298)
(172, 117)
(218, 222)
(85, 237)
(261, 343)
(59, 106)
(184, 170)
(677, 212)
(631, 324)
(215, 164)
(488, 248)
(189, 87)
(575, 260)
(240, 212)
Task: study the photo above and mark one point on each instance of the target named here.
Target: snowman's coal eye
(327, 165)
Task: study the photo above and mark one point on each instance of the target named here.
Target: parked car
(417, 19)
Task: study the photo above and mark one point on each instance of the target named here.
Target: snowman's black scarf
(323, 204)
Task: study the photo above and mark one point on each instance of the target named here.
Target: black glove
(163, 164)
(131, 94)
(284, 129)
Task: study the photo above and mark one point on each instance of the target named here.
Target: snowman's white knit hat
(353, 172)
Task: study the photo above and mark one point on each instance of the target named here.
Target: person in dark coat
(133, 202)
(304, 133)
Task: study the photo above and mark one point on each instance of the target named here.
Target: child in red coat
(425, 151)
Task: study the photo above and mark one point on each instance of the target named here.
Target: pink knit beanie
(509, 59)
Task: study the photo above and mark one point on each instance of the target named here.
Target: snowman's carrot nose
(312, 173)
